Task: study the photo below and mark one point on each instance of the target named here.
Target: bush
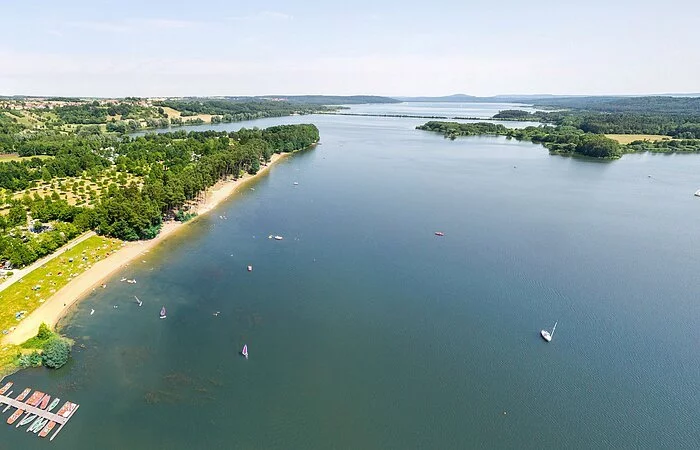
(56, 353)
(29, 360)
(44, 332)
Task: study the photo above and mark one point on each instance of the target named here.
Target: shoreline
(59, 304)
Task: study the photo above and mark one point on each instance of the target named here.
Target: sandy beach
(56, 306)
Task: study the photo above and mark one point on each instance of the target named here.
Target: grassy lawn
(8, 353)
(627, 138)
(24, 295)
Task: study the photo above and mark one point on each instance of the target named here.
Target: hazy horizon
(389, 48)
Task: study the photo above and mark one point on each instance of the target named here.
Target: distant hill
(648, 104)
(463, 98)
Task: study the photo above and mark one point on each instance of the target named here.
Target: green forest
(172, 169)
(564, 140)
(237, 110)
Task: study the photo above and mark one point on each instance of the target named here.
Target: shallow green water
(365, 330)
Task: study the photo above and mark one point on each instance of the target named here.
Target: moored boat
(5, 388)
(27, 419)
(15, 415)
(53, 404)
(35, 398)
(47, 429)
(71, 408)
(24, 394)
(37, 425)
(45, 401)
(34, 424)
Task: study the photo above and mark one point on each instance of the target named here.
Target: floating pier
(61, 418)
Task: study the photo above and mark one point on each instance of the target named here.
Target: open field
(175, 113)
(7, 157)
(32, 290)
(627, 138)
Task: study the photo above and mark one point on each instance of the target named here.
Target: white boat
(278, 238)
(546, 335)
(162, 313)
(296, 183)
(250, 268)
(138, 301)
(244, 352)
(92, 311)
(53, 404)
(28, 418)
(38, 425)
(697, 193)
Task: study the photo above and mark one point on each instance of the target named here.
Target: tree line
(174, 168)
(564, 140)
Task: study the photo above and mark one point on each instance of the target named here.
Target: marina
(36, 412)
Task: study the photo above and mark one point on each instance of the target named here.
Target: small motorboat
(15, 415)
(45, 401)
(296, 183)
(131, 281)
(53, 404)
(47, 429)
(162, 313)
(244, 352)
(138, 301)
(439, 233)
(5, 388)
(546, 335)
(26, 420)
(278, 238)
(250, 268)
(34, 424)
(697, 193)
(123, 279)
(92, 311)
(37, 425)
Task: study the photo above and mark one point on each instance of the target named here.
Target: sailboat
(162, 313)
(244, 352)
(546, 335)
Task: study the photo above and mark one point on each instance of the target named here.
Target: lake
(365, 330)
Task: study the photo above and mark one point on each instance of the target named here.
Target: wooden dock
(60, 420)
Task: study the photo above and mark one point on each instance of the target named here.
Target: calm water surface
(365, 330)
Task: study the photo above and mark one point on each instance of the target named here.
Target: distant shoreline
(411, 116)
(60, 303)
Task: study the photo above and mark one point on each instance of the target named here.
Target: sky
(395, 48)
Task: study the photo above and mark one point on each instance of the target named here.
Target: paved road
(18, 274)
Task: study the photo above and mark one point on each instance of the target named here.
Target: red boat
(14, 416)
(45, 401)
(35, 398)
(5, 388)
(24, 394)
(65, 409)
